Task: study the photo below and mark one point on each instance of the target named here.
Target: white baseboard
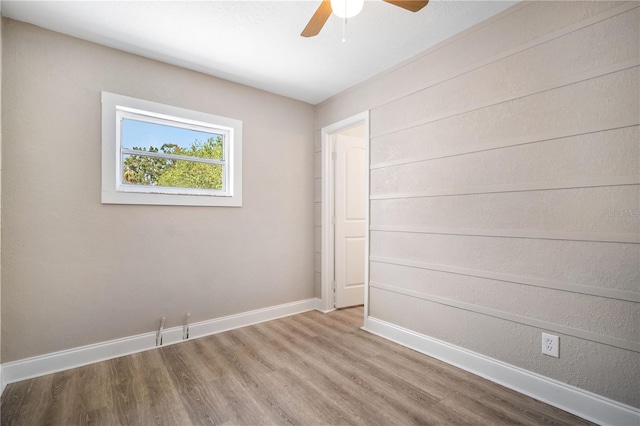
(244, 319)
(23, 369)
(318, 304)
(582, 403)
(2, 383)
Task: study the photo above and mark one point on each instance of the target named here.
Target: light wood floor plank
(307, 369)
(201, 401)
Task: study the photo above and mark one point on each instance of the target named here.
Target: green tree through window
(140, 169)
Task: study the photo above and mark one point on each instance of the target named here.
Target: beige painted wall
(0, 186)
(74, 271)
(504, 191)
(317, 155)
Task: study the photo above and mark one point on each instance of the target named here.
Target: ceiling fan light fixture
(346, 8)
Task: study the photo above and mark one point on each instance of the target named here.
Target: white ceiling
(258, 43)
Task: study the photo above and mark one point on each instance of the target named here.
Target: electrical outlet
(551, 345)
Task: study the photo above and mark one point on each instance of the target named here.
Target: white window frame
(115, 191)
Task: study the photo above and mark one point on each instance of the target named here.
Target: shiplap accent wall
(505, 191)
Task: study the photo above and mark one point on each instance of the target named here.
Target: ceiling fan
(347, 9)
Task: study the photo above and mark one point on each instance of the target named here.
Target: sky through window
(141, 134)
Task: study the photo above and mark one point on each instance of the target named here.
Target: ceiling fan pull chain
(344, 31)
(344, 24)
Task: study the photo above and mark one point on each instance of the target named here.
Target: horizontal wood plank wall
(505, 191)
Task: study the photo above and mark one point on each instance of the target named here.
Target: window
(159, 154)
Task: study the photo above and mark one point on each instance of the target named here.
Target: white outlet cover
(551, 345)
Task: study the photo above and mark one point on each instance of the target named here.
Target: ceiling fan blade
(318, 19)
(413, 6)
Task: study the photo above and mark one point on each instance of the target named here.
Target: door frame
(328, 196)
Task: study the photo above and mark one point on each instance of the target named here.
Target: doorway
(345, 213)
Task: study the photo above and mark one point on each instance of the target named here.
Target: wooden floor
(307, 369)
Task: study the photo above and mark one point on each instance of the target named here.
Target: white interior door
(350, 205)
